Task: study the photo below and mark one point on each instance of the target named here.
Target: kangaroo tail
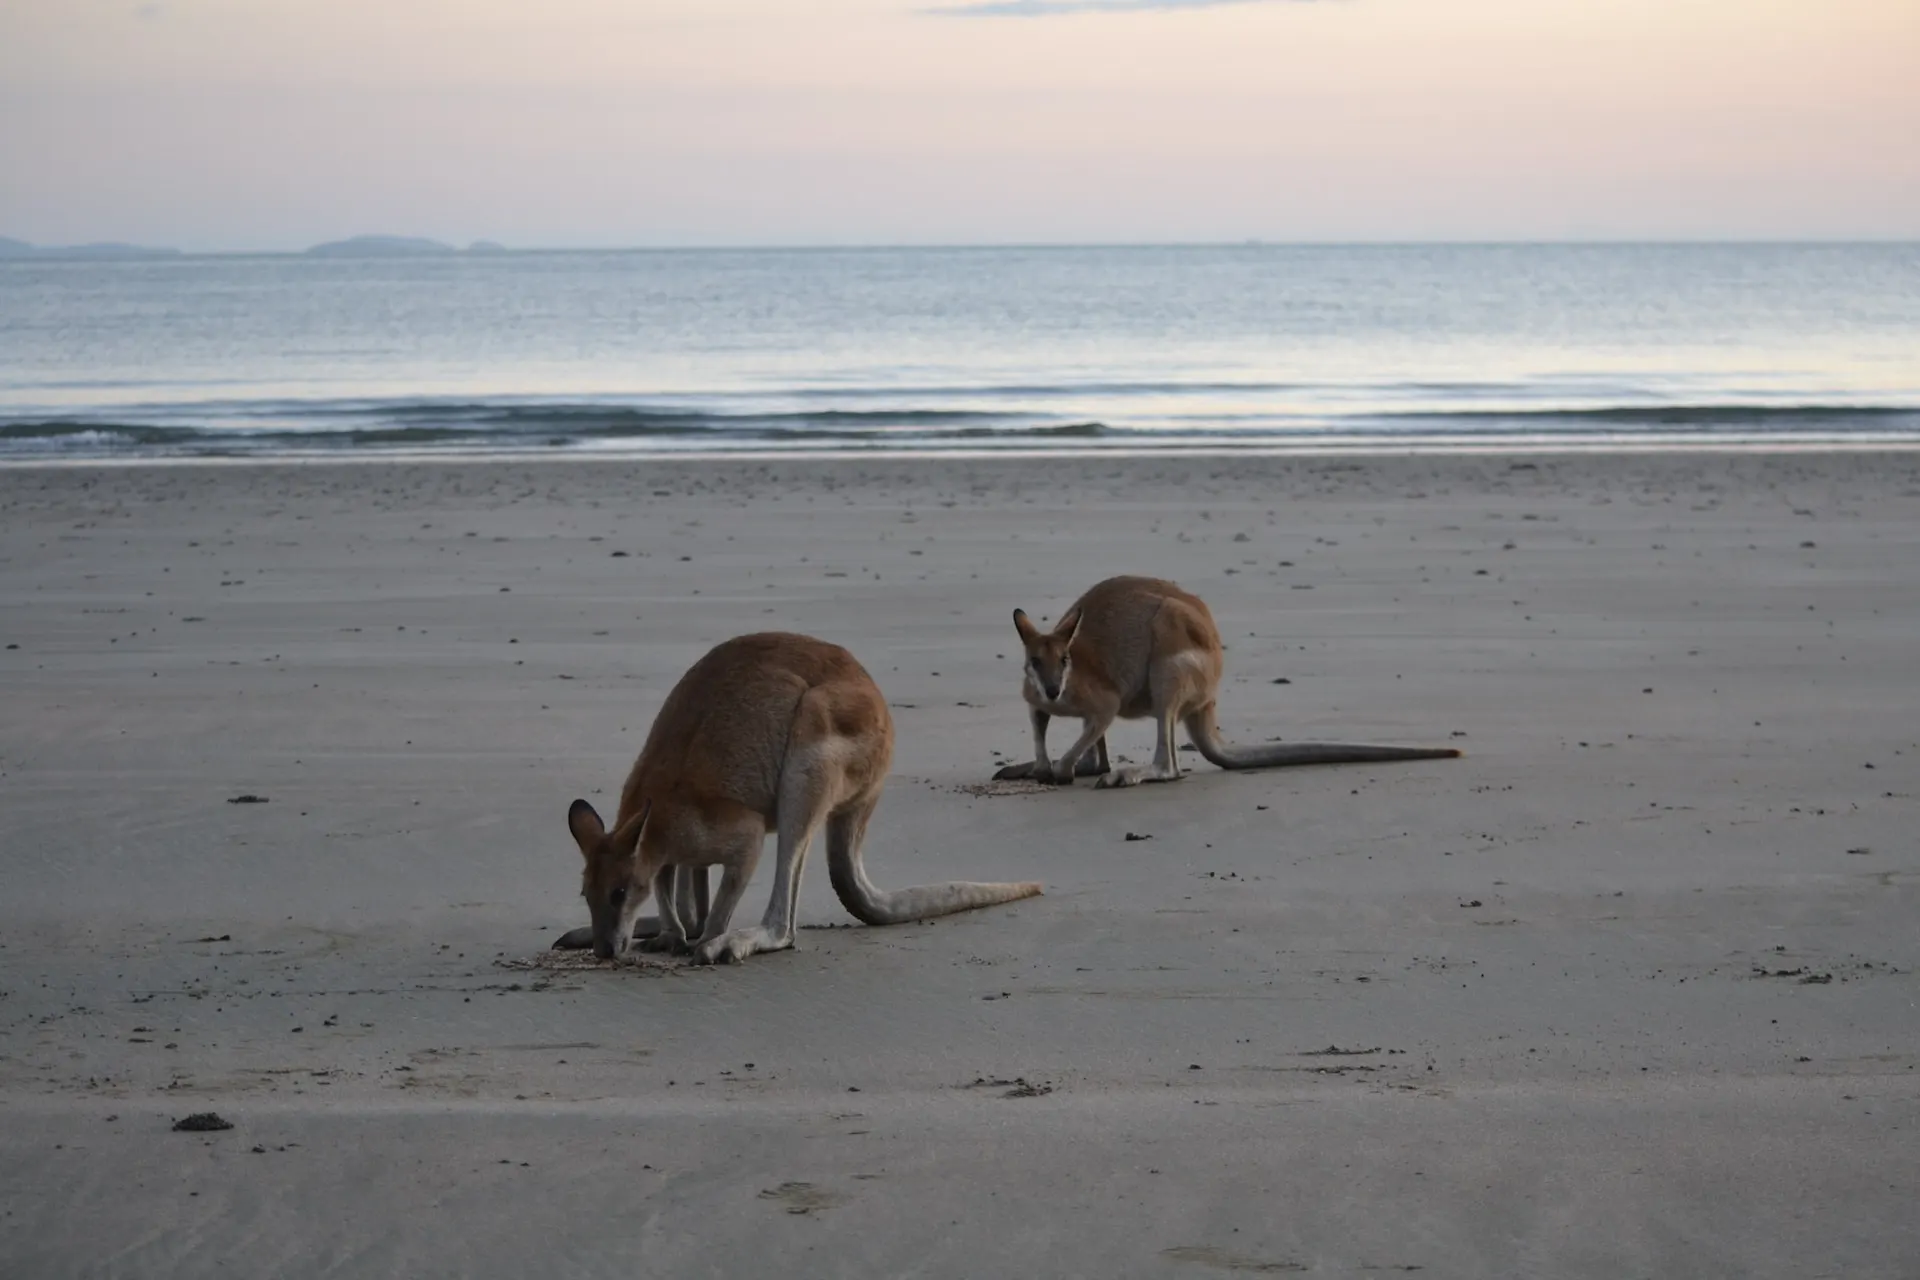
(871, 905)
(1204, 729)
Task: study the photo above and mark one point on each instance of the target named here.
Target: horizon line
(45, 252)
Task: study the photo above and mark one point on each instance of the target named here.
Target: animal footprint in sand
(1221, 1260)
(802, 1197)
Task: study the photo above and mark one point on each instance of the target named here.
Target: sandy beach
(1629, 990)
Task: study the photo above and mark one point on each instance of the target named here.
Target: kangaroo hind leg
(1165, 766)
(806, 785)
(1168, 683)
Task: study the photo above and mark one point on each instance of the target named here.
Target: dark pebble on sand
(202, 1122)
(248, 798)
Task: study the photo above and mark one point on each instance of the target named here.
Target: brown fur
(1137, 647)
(766, 733)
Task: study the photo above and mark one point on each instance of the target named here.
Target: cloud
(1044, 8)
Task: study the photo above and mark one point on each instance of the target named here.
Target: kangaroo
(1134, 647)
(770, 732)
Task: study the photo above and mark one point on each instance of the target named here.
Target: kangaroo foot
(1133, 777)
(732, 948)
(668, 943)
(1014, 772)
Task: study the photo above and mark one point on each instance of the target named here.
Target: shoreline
(1532, 450)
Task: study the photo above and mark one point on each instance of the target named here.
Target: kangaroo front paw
(668, 943)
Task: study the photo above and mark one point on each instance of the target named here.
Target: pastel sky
(275, 123)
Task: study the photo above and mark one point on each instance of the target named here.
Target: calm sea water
(1215, 348)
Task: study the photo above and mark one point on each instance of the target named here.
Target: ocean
(1217, 349)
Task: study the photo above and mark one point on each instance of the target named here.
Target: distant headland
(370, 246)
(102, 251)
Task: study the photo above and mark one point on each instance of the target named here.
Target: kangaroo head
(612, 883)
(1049, 655)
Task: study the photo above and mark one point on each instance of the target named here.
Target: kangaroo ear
(626, 837)
(585, 825)
(1069, 625)
(1028, 632)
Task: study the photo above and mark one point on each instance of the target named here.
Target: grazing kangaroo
(769, 732)
(1133, 647)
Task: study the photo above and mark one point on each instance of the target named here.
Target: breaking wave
(519, 426)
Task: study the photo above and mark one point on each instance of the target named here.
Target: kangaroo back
(721, 735)
(1118, 637)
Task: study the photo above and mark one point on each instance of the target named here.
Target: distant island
(103, 251)
(395, 247)
(379, 247)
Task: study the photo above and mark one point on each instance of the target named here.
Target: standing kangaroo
(770, 732)
(1133, 647)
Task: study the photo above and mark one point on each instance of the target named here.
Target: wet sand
(1628, 990)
